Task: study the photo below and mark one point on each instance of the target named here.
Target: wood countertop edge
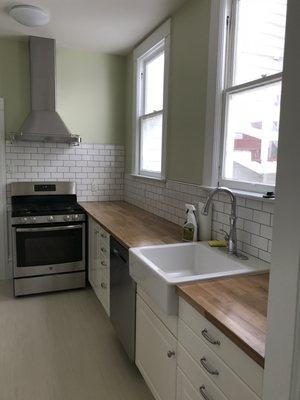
(127, 245)
(250, 351)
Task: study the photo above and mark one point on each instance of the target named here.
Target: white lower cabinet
(187, 358)
(99, 262)
(156, 352)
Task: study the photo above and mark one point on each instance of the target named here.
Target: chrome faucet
(231, 237)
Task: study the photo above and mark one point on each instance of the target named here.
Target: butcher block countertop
(132, 226)
(237, 306)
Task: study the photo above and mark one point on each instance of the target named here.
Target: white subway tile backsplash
(98, 172)
(59, 161)
(262, 217)
(252, 227)
(265, 256)
(255, 204)
(259, 242)
(167, 199)
(268, 207)
(266, 231)
(245, 213)
(253, 251)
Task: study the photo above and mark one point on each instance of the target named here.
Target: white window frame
(221, 62)
(157, 42)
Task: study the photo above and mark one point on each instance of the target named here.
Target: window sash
(238, 184)
(143, 75)
(229, 88)
(141, 170)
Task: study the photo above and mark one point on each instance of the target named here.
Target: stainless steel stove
(49, 231)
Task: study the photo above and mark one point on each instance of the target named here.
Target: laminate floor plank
(61, 346)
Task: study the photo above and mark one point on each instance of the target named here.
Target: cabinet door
(155, 353)
(185, 390)
(93, 234)
(103, 288)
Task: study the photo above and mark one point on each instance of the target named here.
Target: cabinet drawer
(247, 369)
(186, 391)
(198, 378)
(213, 366)
(102, 290)
(104, 236)
(103, 260)
(103, 250)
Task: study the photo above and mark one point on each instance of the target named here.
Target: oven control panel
(44, 187)
(46, 219)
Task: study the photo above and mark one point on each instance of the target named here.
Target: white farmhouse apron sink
(158, 269)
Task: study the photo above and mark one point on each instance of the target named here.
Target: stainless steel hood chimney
(43, 123)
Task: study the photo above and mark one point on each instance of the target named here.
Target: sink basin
(158, 269)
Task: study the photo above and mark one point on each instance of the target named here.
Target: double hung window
(151, 73)
(251, 94)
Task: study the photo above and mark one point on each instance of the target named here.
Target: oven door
(48, 249)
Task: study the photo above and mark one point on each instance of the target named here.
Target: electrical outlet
(94, 187)
(9, 168)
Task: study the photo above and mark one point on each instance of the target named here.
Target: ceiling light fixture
(29, 15)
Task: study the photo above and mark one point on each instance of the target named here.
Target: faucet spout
(232, 237)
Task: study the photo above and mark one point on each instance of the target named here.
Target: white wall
(282, 352)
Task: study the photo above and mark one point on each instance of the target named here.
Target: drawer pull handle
(207, 368)
(103, 285)
(209, 338)
(170, 353)
(202, 391)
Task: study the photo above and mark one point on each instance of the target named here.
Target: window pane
(154, 83)
(151, 143)
(260, 39)
(252, 135)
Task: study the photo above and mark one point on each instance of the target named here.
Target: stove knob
(67, 217)
(33, 220)
(50, 218)
(25, 220)
(75, 217)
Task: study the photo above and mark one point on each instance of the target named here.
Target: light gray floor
(61, 346)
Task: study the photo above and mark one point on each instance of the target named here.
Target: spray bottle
(190, 227)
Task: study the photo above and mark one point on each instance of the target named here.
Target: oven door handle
(50, 228)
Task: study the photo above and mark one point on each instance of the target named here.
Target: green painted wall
(91, 94)
(14, 82)
(187, 93)
(90, 91)
(129, 116)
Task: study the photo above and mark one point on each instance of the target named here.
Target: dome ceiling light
(29, 15)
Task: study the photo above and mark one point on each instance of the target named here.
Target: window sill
(152, 178)
(245, 194)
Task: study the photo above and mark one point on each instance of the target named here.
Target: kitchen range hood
(43, 124)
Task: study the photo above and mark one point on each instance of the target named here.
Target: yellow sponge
(217, 243)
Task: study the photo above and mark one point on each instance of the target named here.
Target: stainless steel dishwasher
(122, 297)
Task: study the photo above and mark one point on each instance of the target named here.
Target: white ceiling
(110, 26)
